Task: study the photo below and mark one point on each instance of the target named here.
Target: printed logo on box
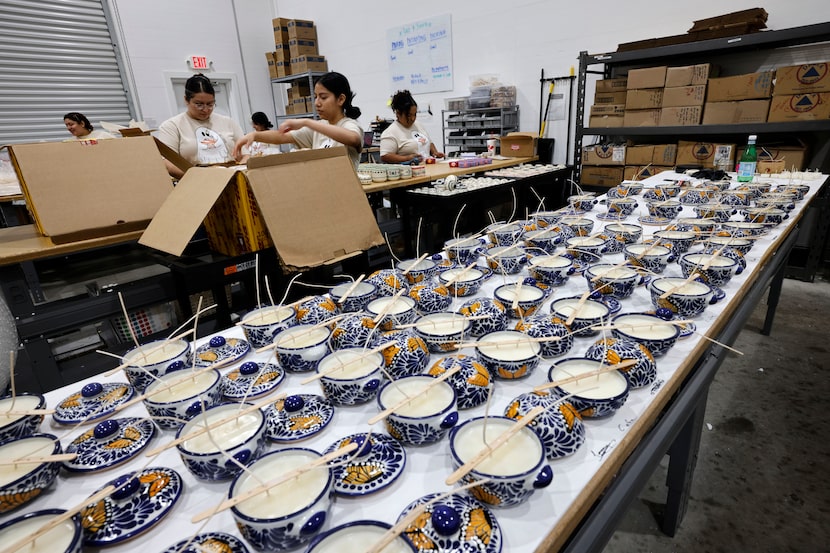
(604, 152)
(702, 150)
(802, 103)
(811, 74)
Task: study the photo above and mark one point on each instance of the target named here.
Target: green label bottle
(749, 159)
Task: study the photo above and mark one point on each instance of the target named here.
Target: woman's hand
(243, 142)
(292, 125)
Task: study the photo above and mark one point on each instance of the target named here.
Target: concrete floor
(758, 485)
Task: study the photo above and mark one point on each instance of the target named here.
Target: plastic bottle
(749, 159)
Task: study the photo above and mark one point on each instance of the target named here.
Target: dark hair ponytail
(338, 84)
(403, 101)
(79, 118)
(196, 84)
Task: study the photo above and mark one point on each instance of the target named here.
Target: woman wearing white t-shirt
(405, 140)
(81, 129)
(337, 125)
(199, 135)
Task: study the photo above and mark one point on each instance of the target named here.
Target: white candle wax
(155, 352)
(681, 286)
(347, 364)
(227, 435)
(581, 241)
(56, 540)
(463, 243)
(410, 265)
(361, 289)
(391, 306)
(647, 249)
(641, 326)
(524, 293)
(460, 275)
(519, 454)
(21, 403)
(424, 403)
(268, 315)
(441, 324)
(602, 386)
(301, 336)
(550, 261)
(508, 345)
(675, 234)
(611, 272)
(189, 387)
(710, 259)
(588, 310)
(287, 497)
(729, 241)
(357, 539)
(17, 449)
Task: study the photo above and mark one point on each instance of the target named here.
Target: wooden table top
(25, 243)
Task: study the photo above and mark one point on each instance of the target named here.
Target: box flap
(172, 156)
(313, 205)
(84, 189)
(187, 206)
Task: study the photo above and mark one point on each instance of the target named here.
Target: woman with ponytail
(337, 125)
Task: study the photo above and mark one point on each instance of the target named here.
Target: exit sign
(199, 62)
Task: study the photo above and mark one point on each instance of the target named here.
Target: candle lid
(297, 417)
(110, 443)
(209, 541)
(77, 408)
(112, 521)
(251, 380)
(217, 351)
(372, 469)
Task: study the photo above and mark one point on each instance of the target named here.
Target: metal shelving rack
(280, 82)
(467, 130)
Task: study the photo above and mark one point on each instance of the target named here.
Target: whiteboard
(420, 55)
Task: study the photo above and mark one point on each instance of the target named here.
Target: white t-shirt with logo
(397, 139)
(201, 142)
(307, 138)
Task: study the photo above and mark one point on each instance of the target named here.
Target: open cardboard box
(85, 189)
(309, 205)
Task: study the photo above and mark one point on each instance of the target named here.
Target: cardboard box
(619, 84)
(282, 52)
(778, 157)
(272, 68)
(85, 189)
(518, 144)
(304, 64)
(741, 87)
(704, 154)
(302, 28)
(802, 79)
(740, 111)
(647, 77)
(641, 118)
(603, 154)
(280, 25)
(299, 89)
(283, 68)
(608, 109)
(677, 96)
(689, 75)
(814, 106)
(681, 116)
(605, 121)
(248, 210)
(610, 97)
(644, 98)
(601, 176)
(639, 172)
(651, 154)
(299, 105)
(302, 47)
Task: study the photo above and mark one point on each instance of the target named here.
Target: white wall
(515, 40)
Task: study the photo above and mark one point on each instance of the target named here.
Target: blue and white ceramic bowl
(697, 196)
(543, 240)
(547, 326)
(504, 234)
(553, 270)
(615, 350)
(713, 269)
(155, 359)
(575, 226)
(222, 452)
(67, 537)
(595, 396)
(770, 216)
(744, 228)
(725, 240)
(586, 249)
(719, 212)
(472, 383)
(667, 209)
(392, 311)
(700, 227)
(430, 297)
(559, 426)
(582, 202)
(612, 280)
(179, 396)
(424, 419)
(655, 333)
(301, 347)
(260, 325)
(442, 332)
(406, 353)
(653, 258)
(683, 299)
(388, 281)
(621, 207)
(359, 535)
(462, 281)
(485, 314)
(519, 299)
(417, 271)
(506, 260)
(352, 375)
(355, 330)
(670, 189)
(514, 474)
(294, 511)
(353, 297)
(18, 426)
(508, 354)
(317, 310)
(589, 314)
(464, 251)
(678, 241)
(20, 483)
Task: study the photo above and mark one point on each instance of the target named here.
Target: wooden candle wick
(490, 448)
(577, 378)
(578, 307)
(415, 263)
(344, 364)
(386, 412)
(388, 305)
(154, 349)
(236, 500)
(305, 332)
(56, 458)
(351, 289)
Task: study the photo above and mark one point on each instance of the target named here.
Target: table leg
(772, 298)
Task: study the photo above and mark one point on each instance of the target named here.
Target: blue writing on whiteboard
(397, 44)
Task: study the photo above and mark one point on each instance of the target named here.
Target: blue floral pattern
(407, 353)
(283, 425)
(95, 453)
(209, 542)
(492, 311)
(472, 383)
(28, 487)
(372, 469)
(217, 351)
(78, 407)
(560, 426)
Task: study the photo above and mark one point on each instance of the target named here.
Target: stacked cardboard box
(705, 154)
(644, 96)
(603, 164)
(295, 48)
(738, 99)
(685, 94)
(609, 103)
(802, 93)
(643, 161)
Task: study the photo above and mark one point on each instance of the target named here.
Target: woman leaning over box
(199, 135)
(337, 125)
